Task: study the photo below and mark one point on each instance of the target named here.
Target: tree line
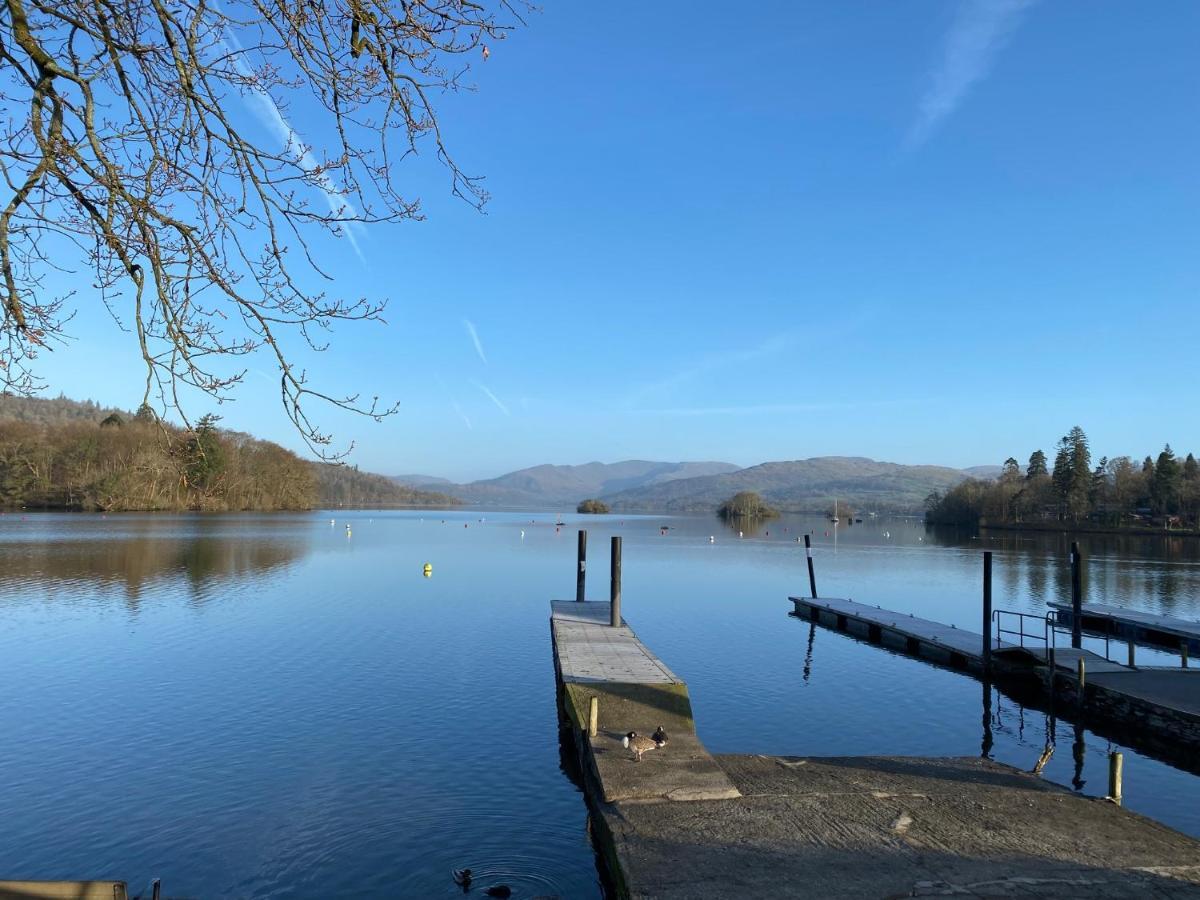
(1113, 493)
(60, 454)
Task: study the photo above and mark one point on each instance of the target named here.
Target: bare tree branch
(132, 147)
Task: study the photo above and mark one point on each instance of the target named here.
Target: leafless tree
(133, 148)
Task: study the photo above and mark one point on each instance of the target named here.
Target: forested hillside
(1113, 493)
(64, 454)
(347, 486)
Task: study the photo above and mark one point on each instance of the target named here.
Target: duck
(639, 744)
(659, 737)
(462, 877)
(499, 890)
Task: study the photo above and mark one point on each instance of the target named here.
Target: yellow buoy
(428, 570)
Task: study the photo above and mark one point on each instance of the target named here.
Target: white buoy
(740, 534)
(522, 534)
(332, 522)
(712, 539)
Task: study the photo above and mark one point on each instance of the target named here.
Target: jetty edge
(683, 823)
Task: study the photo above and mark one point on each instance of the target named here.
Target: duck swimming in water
(462, 877)
(639, 744)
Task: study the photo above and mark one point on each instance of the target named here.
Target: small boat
(834, 518)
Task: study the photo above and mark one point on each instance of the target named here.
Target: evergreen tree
(1164, 487)
(1037, 465)
(1012, 470)
(1191, 470)
(1079, 493)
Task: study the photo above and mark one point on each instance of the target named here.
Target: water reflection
(140, 562)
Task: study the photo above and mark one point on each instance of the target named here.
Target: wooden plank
(62, 890)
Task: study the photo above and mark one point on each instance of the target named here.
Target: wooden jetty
(1162, 703)
(683, 823)
(1134, 626)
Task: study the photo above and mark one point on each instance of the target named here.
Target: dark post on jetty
(581, 575)
(1076, 597)
(614, 595)
(987, 611)
(812, 578)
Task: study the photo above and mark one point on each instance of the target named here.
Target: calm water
(266, 706)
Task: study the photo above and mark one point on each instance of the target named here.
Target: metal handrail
(1020, 633)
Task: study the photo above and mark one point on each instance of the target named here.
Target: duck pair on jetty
(640, 744)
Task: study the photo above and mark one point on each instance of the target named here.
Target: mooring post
(156, 889)
(987, 611)
(1076, 597)
(581, 575)
(812, 577)
(1183, 653)
(593, 716)
(614, 596)
(1116, 763)
(1131, 654)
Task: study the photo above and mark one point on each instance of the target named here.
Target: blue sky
(926, 232)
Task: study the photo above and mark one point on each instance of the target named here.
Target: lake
(271, 706)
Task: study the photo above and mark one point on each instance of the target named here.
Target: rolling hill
(547, 485)
(806, 485)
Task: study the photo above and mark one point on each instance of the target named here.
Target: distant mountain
(806, 485)
(421, 480)
(548, 485)
(986, 472)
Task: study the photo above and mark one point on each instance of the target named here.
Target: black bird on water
(462, 877)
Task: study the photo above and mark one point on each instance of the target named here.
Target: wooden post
(581, 575)
(1131, 654)
(1116, 764)
(1082, 673)
(1076, 597)
(812, 577)
(614, 594)
(987, 611)
(593, 716)
(1183, 653)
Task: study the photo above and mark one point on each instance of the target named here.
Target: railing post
(1076, 596)
(581, 575)
(812, 577)
(614, 596)
(1116, 763)
(987, 611)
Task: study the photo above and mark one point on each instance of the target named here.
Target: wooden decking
(1134, 625)
(1163, 702)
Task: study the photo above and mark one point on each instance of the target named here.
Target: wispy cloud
(499, 404)
(462, 415)
(268, 114)
(665, 386)
(980, 30)
(470, 326)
